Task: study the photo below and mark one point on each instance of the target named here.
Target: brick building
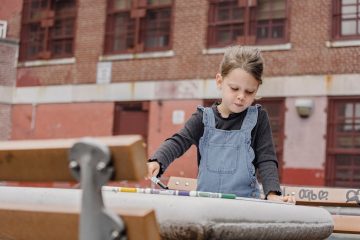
(95, 67)
(9, 13)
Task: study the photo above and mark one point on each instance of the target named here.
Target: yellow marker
(125, 189)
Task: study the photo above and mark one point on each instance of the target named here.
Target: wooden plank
(324, 196)
(47, 160)
(141, 224)
(181, 183)
(48, 222)
(346, 224)
(305, 195)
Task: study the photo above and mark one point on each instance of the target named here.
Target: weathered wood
(181, 183)
(324, 196)
(43, 222)
(47, 160)
(346, 224)
(305, 195)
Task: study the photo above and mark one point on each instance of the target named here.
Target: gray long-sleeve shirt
(265, 158)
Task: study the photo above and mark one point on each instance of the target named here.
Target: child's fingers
(290, 199)
(275, 198)
(153, 169)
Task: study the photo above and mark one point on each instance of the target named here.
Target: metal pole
(90, 164)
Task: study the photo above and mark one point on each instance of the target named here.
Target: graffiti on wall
(318, 194)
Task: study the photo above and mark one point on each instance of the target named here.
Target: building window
(48, 29)
(346, 19)
(343, 143)
(247, 22)
(138, 26)
(131, 118)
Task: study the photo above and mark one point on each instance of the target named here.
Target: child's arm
(177, 145)
(265, 156)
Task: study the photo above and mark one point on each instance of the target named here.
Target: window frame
(211, 34)
(46, 24)
(250, 25)
(331, 149)
(137, 12)
(337, 20)
(270, 41)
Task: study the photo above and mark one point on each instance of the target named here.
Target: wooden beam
(34, 222)
(47, 160)
(346, 224)
(305, 195)
(324, 196)
(181, 183)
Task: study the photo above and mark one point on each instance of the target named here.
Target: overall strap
(208, 116)
(250, 118)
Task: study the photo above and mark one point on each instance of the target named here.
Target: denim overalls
(226, 157)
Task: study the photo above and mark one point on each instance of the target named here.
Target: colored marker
(158, 182)
(127, 189)
(175, 192)
(228, 196)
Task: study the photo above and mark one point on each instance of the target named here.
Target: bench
(342, 203)
(34, 222)
(92, 162)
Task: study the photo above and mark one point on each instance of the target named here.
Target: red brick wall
(89, 39)
(62, 120)
(189, 30)
(45, 75)
(5, 121)
(10, 11)
(7, 78)
(8, 53)
(310, 27)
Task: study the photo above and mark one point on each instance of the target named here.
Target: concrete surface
(182, 217)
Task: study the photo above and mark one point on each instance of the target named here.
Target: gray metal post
(90, 164)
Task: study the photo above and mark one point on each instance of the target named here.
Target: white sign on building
(103, 75)
(3, 29)
(178, 117)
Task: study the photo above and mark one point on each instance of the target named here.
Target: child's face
(238, 90)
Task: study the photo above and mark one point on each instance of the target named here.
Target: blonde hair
(246, 58)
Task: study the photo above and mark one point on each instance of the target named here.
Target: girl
(233, 138)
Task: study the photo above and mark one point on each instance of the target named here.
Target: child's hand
(153, 169)
(274, 197)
